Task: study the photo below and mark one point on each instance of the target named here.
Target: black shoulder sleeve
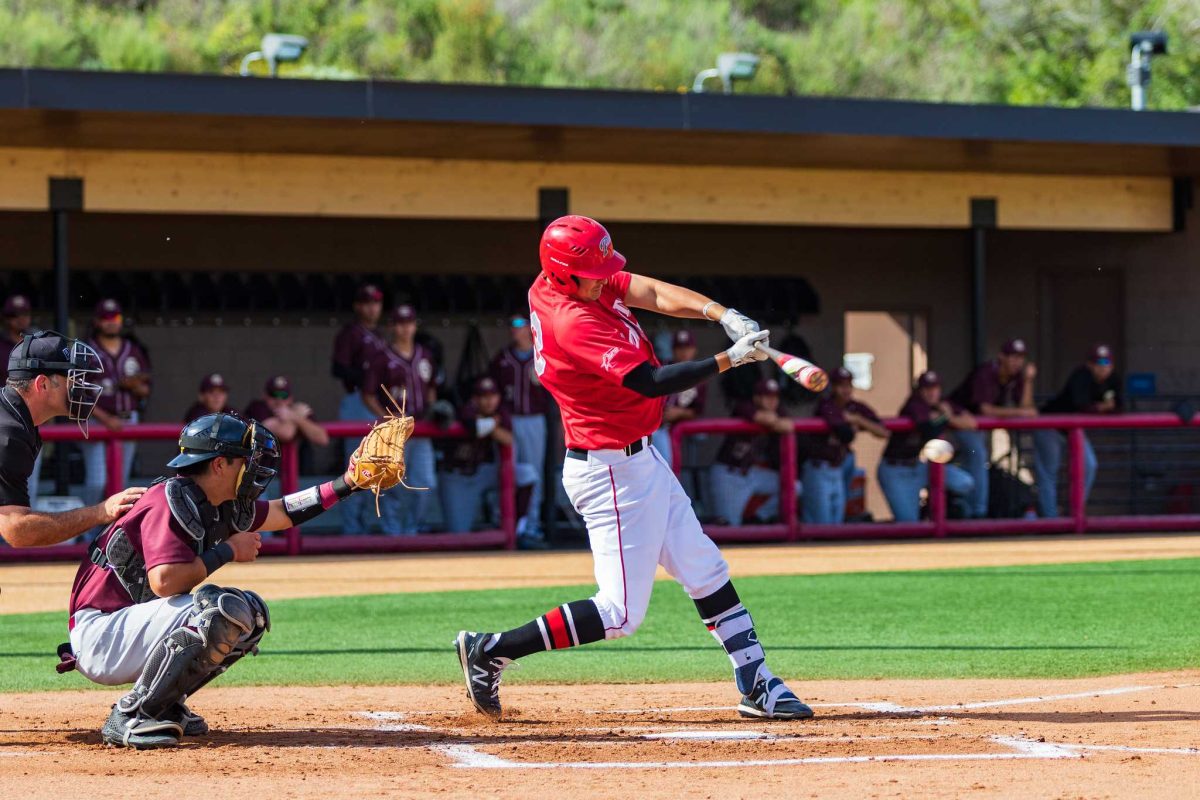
(651, 381)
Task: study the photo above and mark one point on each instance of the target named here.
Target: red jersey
(582, 352)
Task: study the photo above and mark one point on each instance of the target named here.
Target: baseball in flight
(939, 451)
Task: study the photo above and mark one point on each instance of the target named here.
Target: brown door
(1079, 310)
(885, 350)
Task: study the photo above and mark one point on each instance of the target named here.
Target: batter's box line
(885, 707)
(465, 756)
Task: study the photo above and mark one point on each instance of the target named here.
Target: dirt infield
(44, 587)
(1122, 736)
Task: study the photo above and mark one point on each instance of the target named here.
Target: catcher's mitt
(378, 462)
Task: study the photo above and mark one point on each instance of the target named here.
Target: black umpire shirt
(20, 444)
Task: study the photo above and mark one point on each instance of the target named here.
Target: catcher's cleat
(481, 672)
(139, 732)
(192, 723)
(771, 699)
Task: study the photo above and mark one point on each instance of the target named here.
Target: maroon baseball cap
(841, 375)
(402, 313)
(683, 338)
(368, 293)
(213, 381)
(16, 305)
(108, 308)
(486, 385)
(929, 378)
(1101, 355)
(278, 386)
(1014, 347)
(767, 386)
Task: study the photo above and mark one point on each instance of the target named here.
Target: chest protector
(206, 526)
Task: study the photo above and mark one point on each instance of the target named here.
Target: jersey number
(535, 326)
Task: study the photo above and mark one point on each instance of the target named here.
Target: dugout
(234, 215)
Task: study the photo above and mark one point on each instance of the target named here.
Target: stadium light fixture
(730, 67)
(1144, 45)
(275, 49)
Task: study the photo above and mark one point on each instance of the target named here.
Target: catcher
(136, 614)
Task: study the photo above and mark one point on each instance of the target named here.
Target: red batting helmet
(580, 247)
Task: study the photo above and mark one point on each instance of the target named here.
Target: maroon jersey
(465, 455)
(129, 360)
(983, 386)
(155, 533)
(354, 349)
(929, 422)
(742, 451)
(198, 409)
(258, 410)
(413, 377)
(834, 445)
(520, 389)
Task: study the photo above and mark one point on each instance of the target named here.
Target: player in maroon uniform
(526, 400)
(136, 614)
(126, 382)
(406, 370)
(470, 467)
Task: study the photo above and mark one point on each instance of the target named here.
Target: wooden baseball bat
(805, 373)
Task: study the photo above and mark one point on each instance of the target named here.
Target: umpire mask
(51, 353)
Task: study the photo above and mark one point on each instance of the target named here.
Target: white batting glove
(737, 324)
(744, 351)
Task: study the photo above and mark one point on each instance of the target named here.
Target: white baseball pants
(112, 649)
(638, 517)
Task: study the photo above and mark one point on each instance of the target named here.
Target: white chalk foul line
(1120, 748)
(465, 756)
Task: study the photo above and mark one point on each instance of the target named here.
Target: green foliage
(1055, 52)
(1037, 621)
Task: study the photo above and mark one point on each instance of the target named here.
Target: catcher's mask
(51, 353)
(212, 435)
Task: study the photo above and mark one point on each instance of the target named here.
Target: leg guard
(225, 623)
(247, 644)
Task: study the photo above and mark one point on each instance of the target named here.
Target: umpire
(47, 378)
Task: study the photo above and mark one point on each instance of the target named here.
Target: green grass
(1034, 621)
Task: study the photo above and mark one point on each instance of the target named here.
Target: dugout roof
(51, 108)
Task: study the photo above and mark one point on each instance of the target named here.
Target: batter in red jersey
(593, 357)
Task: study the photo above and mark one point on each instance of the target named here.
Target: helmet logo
(606, 247)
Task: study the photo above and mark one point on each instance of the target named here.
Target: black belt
(900, 462)
(629, 449)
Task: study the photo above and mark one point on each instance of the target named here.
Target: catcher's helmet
(575, 246)
(212, 435)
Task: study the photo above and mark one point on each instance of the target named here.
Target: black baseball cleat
(192, 723)
(481, 672)
(771, 699)
(139, 732)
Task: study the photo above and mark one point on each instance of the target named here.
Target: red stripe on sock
(558, 629)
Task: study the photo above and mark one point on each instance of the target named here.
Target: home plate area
(1118, 736)
(713, 737)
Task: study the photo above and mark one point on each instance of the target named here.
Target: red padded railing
(1077, 520)
(294, 542)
